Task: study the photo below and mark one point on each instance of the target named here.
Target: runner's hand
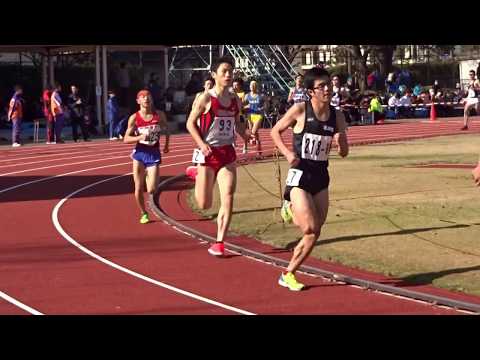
(205, 149)
(292, 159)
(476, 175)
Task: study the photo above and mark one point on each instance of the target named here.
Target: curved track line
(60, 175)
(19, 304)
(121, 268)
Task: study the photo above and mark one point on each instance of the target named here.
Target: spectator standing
(377, 110)
(76, 105)
(113, 115)
(47, 113)
(15, 115)
(58, 111)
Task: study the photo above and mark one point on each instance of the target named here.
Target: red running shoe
(191, 172)
(217, 249)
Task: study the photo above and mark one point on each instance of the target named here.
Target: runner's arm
(239, 126)
(246, 104)
(164, 126)
(192, 127)
(341, 135)
(10, 109)
(476, 174)
(290, 95)
(130, 138)
(289, 119)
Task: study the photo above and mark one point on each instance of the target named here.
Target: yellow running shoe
(144, 219)
(288, 280)
(286, 212)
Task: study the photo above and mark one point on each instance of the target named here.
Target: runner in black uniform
(315, 125)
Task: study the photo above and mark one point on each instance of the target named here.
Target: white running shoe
(16, 144)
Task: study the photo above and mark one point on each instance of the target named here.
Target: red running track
(99, 260)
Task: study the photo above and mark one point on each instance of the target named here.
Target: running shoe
(465, 127)
(16, 144)
(286, 212)
(191, 172)
(144, 219)
(217, 249)
(288, 280)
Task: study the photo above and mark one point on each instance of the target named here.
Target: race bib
(316, 147)
(224, 127)
(293, 177)
(152, 132)
(198, 157)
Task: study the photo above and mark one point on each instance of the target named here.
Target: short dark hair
(313, 74)
(222, 60)
(298, 75)
(472, 71)
(238, 80)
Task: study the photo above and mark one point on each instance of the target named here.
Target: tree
(382, 56)
(291, 51)
(359, 55)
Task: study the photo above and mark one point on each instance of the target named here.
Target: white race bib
(224, 127)
(316, 147)
(152, 132)
(293, 177)
(198, 157)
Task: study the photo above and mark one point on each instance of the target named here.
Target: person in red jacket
(47, 112)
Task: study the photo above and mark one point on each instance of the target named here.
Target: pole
(98, 88)
(210, 58)
(104, 87)
(51, 69)
(279, 181)
(165, 68)
(44, 72)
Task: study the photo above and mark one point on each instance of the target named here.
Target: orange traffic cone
(433, 112)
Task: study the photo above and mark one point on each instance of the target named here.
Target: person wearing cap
(144, 129)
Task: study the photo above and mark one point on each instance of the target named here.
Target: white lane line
(60, 158)
(126, 270)
(33, 149)
(19, 304)
(62, 165)
(60, 175)
(125, 150)
(82, 162)
(190, 148)
(16, 302)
